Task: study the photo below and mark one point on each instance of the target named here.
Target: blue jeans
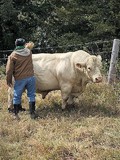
(20, 86)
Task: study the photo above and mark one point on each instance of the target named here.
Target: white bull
(69, 72)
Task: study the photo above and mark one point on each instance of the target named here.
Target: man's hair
(20, 42)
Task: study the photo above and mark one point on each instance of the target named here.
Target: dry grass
(88, 131)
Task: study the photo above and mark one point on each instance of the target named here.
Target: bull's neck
(81, 76)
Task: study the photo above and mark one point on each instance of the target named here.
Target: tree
(8, 26)
(58, 23)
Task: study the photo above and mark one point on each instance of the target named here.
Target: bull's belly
(46, 79)
(46, 84)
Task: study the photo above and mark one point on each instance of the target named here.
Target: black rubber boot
(21, 109)
(32, 110)
(11, 110)
(16, 111)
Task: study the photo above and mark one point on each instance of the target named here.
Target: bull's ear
(99, 57)
(80, 66)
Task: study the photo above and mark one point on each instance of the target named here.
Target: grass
(88, 131)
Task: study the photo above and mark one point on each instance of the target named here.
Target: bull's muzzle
(98, 79)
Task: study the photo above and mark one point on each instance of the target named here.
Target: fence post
(113, 61)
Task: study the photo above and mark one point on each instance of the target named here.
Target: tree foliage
(57, 23)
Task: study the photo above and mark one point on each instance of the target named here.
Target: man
(20, 66)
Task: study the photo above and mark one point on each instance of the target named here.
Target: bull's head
(91, 68)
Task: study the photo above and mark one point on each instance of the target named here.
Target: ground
(88, 131)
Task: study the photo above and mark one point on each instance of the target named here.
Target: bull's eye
(89, 69)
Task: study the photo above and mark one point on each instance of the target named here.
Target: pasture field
(88, 131)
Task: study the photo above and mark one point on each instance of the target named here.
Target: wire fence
(103, 48)
(99, 47)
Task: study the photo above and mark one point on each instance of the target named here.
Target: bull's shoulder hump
(51, 55)
(82, 52)
(80, 55)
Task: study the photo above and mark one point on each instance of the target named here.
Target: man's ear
(80, 66)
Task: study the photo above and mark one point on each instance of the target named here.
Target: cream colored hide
(69, 72)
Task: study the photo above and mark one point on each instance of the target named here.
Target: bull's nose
(98, 79)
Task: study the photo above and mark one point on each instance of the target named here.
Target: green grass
(88, 131)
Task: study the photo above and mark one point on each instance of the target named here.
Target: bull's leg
(70, 100)
(65, 91)
(64, 100)
(10, 99)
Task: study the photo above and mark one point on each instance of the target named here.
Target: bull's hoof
(63, 108)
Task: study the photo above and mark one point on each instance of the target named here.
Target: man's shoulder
(13, 53)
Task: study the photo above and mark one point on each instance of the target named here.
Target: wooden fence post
(113, 62)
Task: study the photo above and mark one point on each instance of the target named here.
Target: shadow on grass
(77, 111)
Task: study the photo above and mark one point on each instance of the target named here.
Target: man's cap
(20, 42)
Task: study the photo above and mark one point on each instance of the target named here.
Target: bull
(69, 72)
